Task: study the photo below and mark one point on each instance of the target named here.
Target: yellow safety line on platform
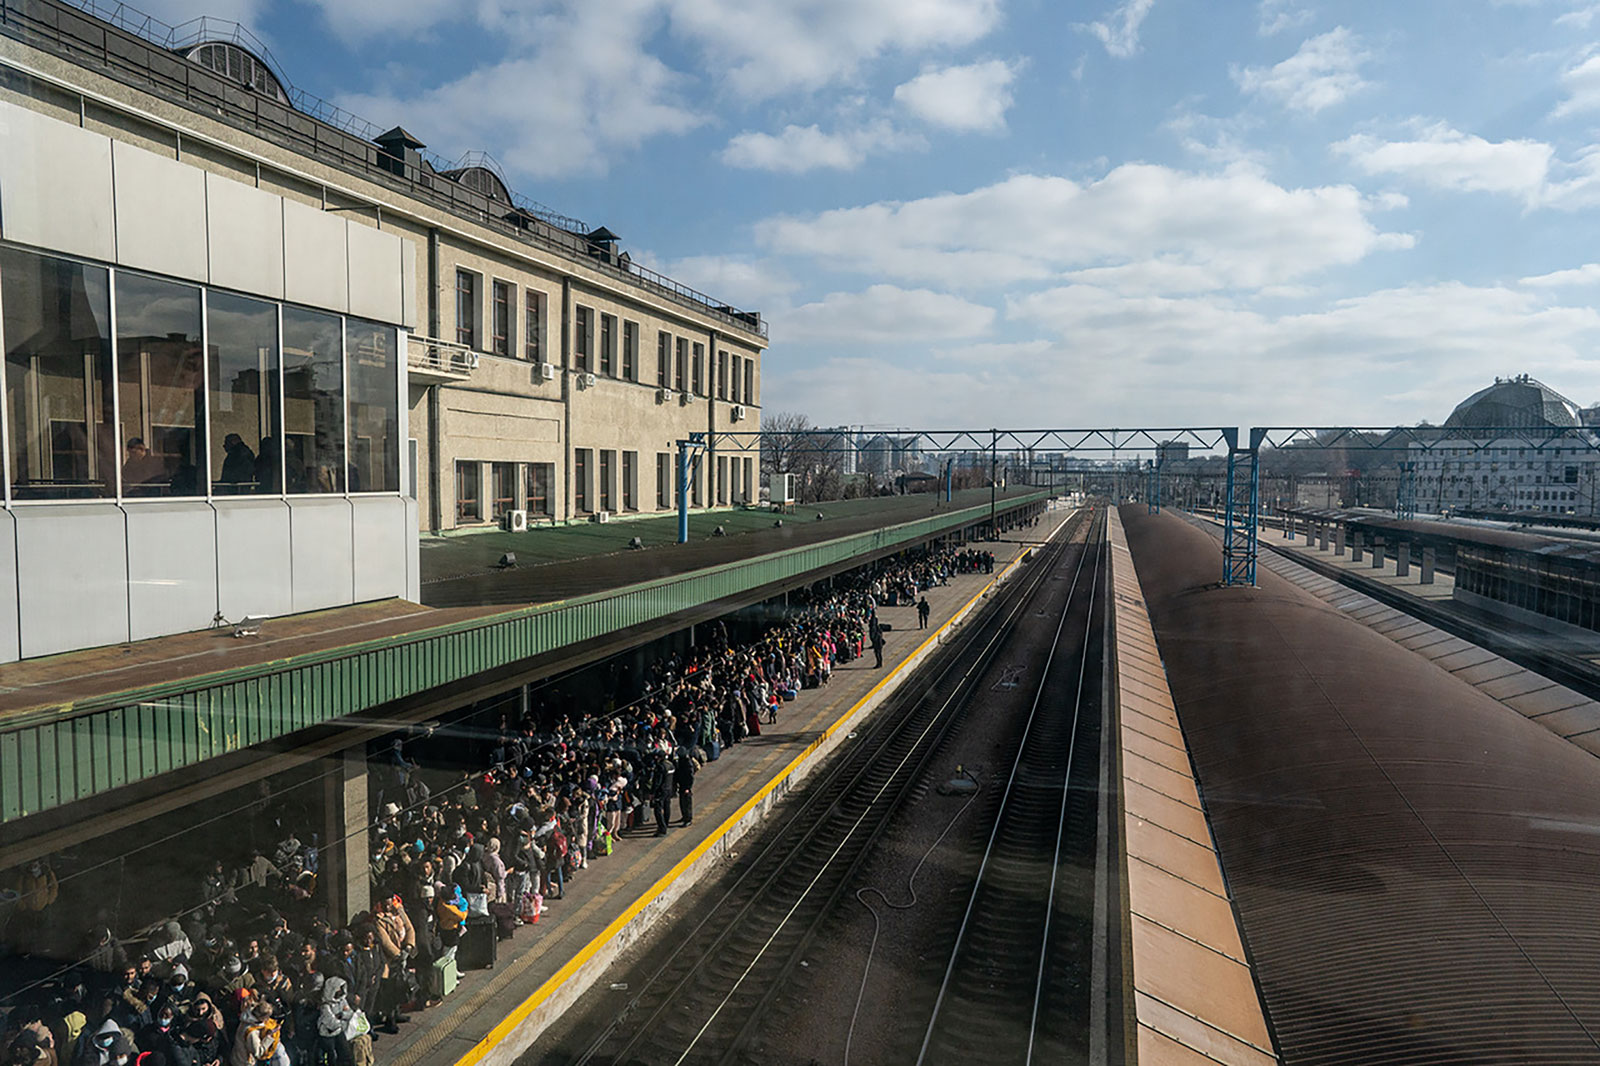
(589, 950)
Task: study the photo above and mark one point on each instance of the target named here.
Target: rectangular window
(663, 480)
(630, 351)
(608, 469)
(160, 379)
(749, 478)
(242, 348)
(57, 329)
(733, 386)
(722, 479)
(630, 481)
(664, 359)
(697, 481)
(681, 378)
(374, 418)
(533, 327)
(502, 318)
(580, 479)
(750, 381)
(699, 369)
(608, 345)
(503, 482)
(313, 405)
(583, 340)
(540, 476)
(467, 308)
(722, 375)
(469, 494)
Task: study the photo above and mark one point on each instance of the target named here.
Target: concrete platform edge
(517, 1031)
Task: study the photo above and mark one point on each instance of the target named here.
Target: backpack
(559, 839)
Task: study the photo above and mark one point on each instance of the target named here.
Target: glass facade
(57, 330)
(121, 384)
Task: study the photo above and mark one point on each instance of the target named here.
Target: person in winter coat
(662, 788)
(683, 778)
(332, 1048)
(260, 1039)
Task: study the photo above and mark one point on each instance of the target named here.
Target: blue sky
(1008, 212)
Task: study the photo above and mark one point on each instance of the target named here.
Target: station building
(254, 345)
(1516, 475)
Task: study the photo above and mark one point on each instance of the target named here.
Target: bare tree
(790, 444)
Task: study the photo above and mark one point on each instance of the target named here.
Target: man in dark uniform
(684, 778)
(876, 632)
(661, 794)
(922, 613)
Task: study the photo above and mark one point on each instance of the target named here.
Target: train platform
(463, 568)
(1410, 859)
(494, 1015)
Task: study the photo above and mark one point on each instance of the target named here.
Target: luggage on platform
(443, 976)
(505, 920)
(478, 944)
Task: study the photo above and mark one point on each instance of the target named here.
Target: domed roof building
(1514, 403)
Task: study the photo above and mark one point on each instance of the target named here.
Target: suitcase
(505, 920)
(443, 977)
(478, 944)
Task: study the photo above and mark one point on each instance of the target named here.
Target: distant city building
(1318, 491)
(888, 455)
(1172, 451)
(1558, 477)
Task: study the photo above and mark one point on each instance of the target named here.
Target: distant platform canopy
(1519, 402)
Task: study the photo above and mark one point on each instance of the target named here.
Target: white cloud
(356, 20)
(1325, 71)
(884, 314)
(1233, 229)
(177, 12)
(598, 93)
(1275, 16)
(1580, 18)
(1119, 29)
(799, 149)
(1588, 274)
(767, 47)
(744, 281)
(1445, 158)
(1582, 84)
(974, 97)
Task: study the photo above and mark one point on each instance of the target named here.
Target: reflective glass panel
(374, 407)
(57, 327)
(242, 346)
(313, 402)
(160, 387)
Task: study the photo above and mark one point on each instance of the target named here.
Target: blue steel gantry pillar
(1405, 499)
(685, 447)
(1243, 508)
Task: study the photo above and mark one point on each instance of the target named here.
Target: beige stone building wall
(505, 409)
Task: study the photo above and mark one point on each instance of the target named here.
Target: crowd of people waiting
(256, 972)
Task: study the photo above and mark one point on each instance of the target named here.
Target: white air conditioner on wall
(685, 399)
(586, 380)
(547, 372)
(663, 396)
(602, 516)
(737, 413)
(514, 521)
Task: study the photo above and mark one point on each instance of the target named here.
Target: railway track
(704, 1000)
(1013, 989)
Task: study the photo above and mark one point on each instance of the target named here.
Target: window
(160, 385)
(580, 479)
(681, 378)
(750, 381)
(699, 369)
(469, 504)
(583, 342)
(503, 481)
(663, 480)
(608, 468)
(722, 479)
(533, 327)
(630, 481)
(697, 481)
(540, 476)
(467, 308)
(630, 351)
(57, 329)
(374, 418)
(722, 375)
(733, 389)
(663, 359)
(242, 347)
(608, 345)
(313, 404)
(749, 477)
(502, 318)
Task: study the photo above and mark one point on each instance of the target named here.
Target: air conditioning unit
(547, 371)
(602, 516)
(586, 381)
(737, 413)
(685, 399)
(663, 396)
(514, 521)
